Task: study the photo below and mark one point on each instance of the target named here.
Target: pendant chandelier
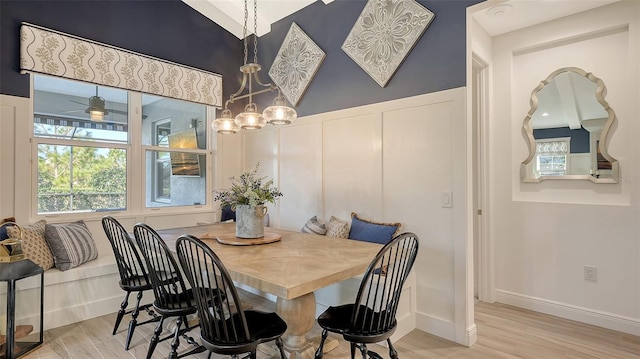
(277, 114)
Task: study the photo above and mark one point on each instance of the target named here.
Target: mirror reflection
(567, 128)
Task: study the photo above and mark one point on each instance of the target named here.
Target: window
(174, 141)
(552, 156)
(83, 138)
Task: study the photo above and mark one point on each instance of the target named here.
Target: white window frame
(567, 159)
(154, 185)
(136, 166)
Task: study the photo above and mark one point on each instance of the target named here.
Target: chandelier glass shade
(225, 124)
(251, 119)
(279, 113)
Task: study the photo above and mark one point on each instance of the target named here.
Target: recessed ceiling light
(499, 10)
(545, 114)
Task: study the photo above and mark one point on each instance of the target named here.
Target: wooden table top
(297, 265)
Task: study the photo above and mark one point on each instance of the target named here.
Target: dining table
(291, 266)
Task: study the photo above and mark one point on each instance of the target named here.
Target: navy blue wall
(579, 138)
(436, 63)
(170, 29)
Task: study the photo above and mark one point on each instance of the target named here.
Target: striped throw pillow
(314, 226)
(71, 244)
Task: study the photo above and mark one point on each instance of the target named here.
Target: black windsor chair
(133, 275)
(225, 327)
(172, 297)
(372, 317)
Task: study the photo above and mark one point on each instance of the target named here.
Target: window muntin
(62, 126)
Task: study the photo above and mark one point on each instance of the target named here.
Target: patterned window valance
(54, 53)
(552, 147)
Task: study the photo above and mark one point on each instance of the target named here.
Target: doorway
(481, 248)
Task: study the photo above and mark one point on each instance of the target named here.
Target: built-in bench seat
(86, 291)
(70, 296)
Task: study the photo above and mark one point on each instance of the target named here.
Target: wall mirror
(567, 129)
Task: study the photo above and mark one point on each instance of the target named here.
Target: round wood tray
(231, 239)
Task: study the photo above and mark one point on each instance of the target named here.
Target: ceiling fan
(96, 108)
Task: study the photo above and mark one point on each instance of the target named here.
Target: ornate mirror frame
(526, 172)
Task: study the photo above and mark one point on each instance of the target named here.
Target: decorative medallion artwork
(295, 64)
(384, 34)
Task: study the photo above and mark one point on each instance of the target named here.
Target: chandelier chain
(255, 31)
(244, 32)
(277, 114)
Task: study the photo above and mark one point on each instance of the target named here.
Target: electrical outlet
(591, 273)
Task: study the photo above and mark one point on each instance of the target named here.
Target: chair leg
(155, 338)
(253, 355)
(363, 350)
(392, 351)
(121, 313)
(134, 320)
(281, 348)
(353, 350)
(175, 343)
(319, 353)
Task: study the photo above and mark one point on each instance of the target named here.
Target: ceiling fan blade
(78, 102)
(117, 111)
(72, 111)
(122, 112)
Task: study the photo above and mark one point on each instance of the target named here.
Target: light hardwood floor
(503, 332)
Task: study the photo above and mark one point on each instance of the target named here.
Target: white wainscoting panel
(261, 146)
(418, 164)
(7, 150)
(352, 166)
(300, 175)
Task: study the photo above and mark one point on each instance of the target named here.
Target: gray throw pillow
(71, 244)
(314, 226)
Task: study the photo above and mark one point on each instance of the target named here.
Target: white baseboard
(436, 326)
(406, 324)
(64, 316)
(572, 312)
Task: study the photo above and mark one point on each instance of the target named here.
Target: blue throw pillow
(227, 214)
(369, 231)
(3, 230)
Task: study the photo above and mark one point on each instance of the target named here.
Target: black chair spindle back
(372, 317)
(225, 326)
(132, 271)
(379, 293)
(168, 285)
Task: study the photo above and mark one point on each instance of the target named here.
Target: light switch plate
(446, 199)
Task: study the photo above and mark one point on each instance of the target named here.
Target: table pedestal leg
(300, 315)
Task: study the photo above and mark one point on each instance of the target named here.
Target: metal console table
(23, 338)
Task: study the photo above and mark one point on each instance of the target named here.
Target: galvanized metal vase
(249, 221)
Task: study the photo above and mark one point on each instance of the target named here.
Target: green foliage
(72, 178)
(248, 189)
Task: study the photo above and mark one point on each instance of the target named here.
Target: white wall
(543, 234)
(388, 162)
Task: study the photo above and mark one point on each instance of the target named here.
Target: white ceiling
(501, 16)
(230, 13)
